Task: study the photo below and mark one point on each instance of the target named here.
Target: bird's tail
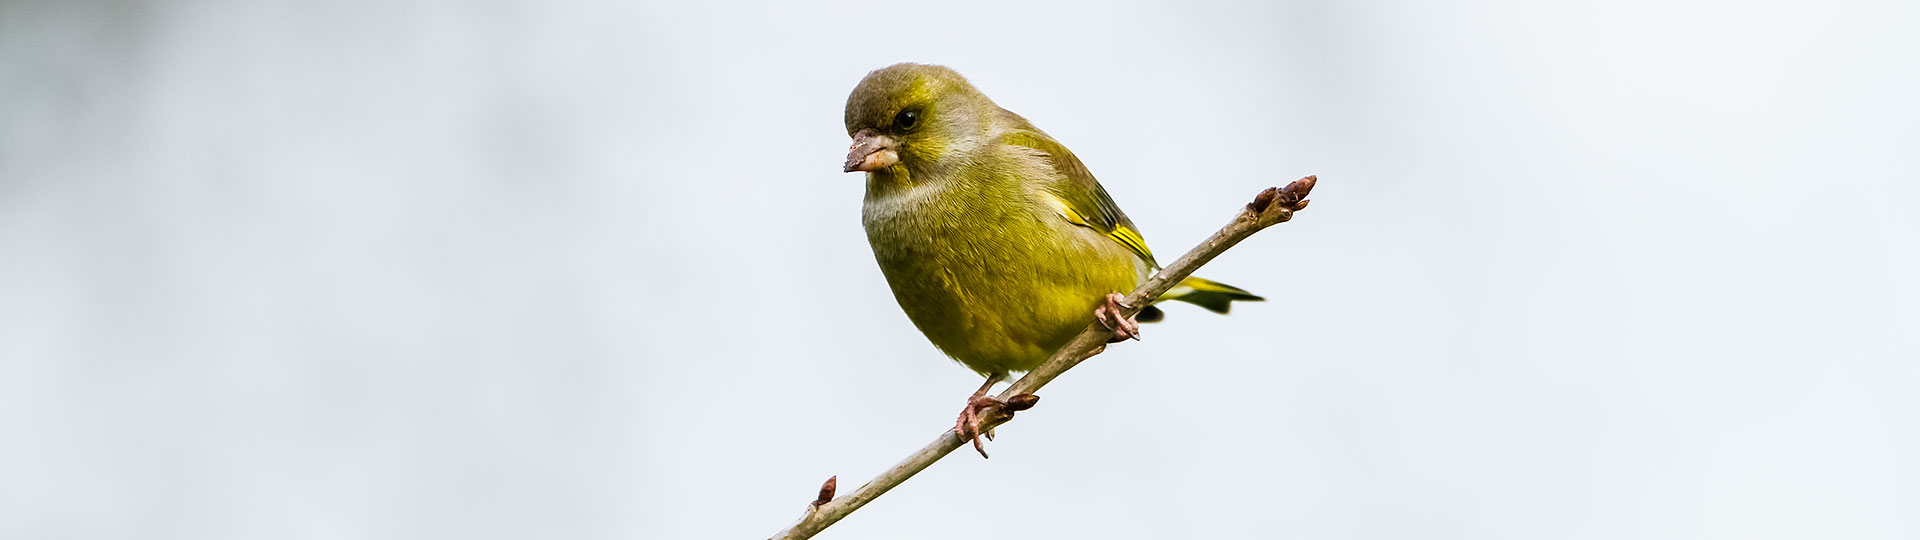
(1215, 296)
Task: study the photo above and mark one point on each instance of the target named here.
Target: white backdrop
(432, 269)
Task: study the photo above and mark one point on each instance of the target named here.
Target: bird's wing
(1082, 200)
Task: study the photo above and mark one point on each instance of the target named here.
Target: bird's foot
(980, 409)
(1108, 313)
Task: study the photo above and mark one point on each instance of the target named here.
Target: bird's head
(914, 117)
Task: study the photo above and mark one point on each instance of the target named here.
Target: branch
(1273, 206)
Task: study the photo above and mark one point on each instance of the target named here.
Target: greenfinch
(998, 243)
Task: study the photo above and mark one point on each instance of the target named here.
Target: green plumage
(997, 241)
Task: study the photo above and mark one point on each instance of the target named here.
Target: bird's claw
(979, 409)
(968, 425)
(1108, 313)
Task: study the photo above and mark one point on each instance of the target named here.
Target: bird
(996, 240)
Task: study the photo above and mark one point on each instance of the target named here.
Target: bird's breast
(993, 279)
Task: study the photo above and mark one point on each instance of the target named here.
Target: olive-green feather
(1087, 203)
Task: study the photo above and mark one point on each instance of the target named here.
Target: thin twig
(1273, 206)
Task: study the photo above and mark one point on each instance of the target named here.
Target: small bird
(996, 240)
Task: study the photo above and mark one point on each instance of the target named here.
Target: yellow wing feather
(1083, 200)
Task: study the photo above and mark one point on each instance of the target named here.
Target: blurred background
(572, 269)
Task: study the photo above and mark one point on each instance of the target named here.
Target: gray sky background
(433, 269)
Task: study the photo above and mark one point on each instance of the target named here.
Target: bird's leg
(980, 408)
(968, 426)
(1108, 313)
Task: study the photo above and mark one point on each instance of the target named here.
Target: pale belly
(998, 290)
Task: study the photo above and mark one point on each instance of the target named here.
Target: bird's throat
(888, 181)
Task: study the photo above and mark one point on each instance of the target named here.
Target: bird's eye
(906, 119)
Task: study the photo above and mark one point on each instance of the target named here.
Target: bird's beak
(870, 152)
